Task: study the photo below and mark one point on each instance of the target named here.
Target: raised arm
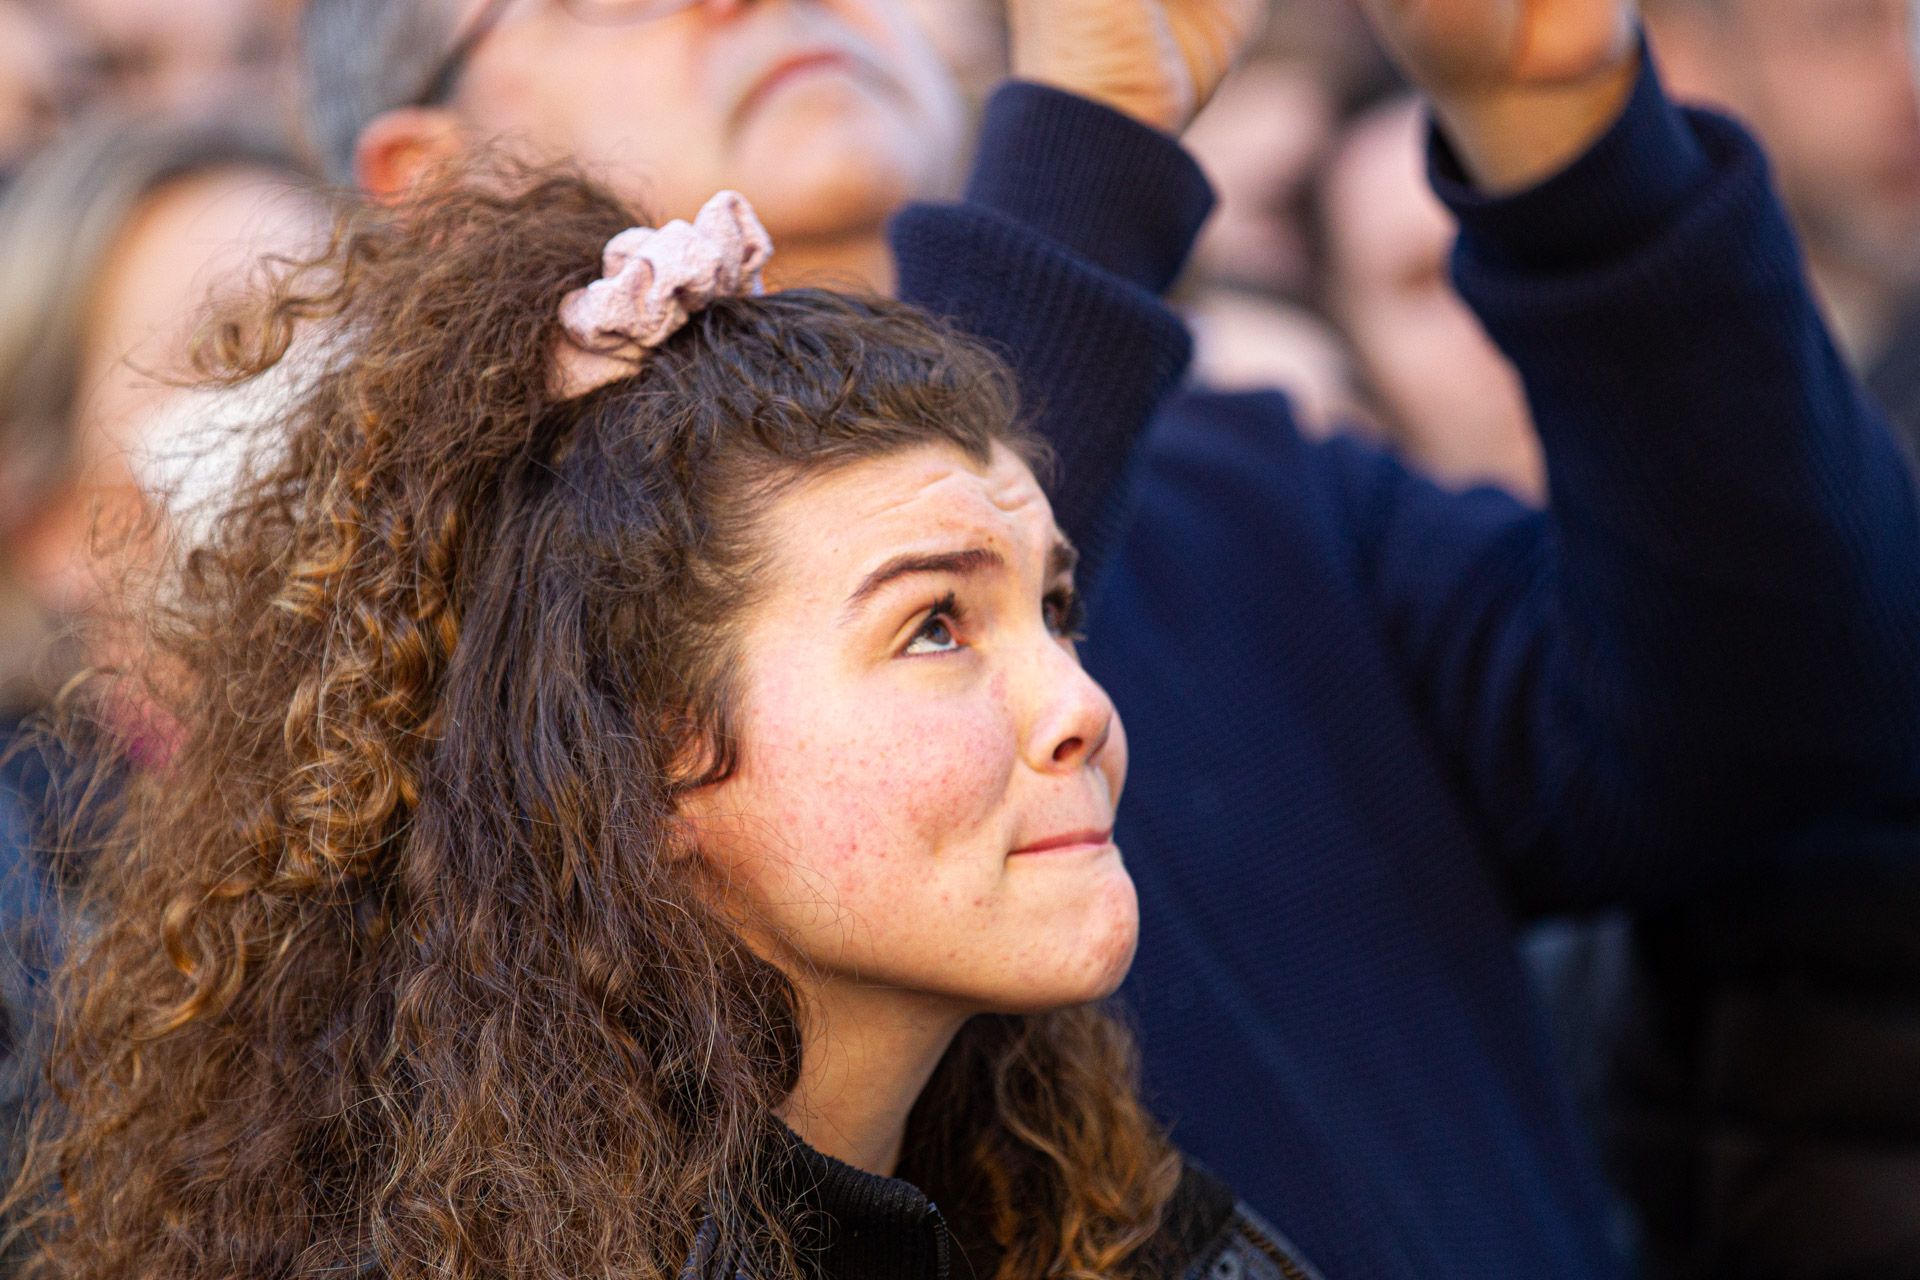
(1094, 355)
(1080, 210)
(1713, 635)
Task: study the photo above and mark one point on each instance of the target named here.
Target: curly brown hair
(395, 965)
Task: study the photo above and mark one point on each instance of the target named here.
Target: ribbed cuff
(1111, 190)
(1609, 201)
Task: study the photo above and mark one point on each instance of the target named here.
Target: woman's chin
(1108, 953)
(1082, 964)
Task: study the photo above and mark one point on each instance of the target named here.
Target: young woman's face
(927, 777)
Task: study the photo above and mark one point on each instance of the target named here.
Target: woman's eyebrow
(971, 561)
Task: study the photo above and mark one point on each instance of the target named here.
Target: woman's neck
(867, 1053)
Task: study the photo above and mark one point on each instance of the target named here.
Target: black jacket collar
(854, 1225)
(851, 1224)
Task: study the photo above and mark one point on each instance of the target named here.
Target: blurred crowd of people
(155, 154)
(1325, 270)
(170, 134)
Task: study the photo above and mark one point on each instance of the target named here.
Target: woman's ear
(397, 147)
(694, 807)
(683, 842)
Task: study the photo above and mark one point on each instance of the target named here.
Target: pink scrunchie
(655, 278)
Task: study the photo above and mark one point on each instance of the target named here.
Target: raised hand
(1156, 60)
(1520, 86)
(1450, 46)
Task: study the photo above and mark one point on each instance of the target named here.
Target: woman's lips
(1069, 841)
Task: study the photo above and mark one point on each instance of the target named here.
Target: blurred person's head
(38, 79)
(180, 56)
(1450, 400)
(112, 243)
(826, 114)
(1829, 87)
(1258, 140)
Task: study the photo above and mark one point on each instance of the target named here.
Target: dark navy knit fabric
(1373, 724)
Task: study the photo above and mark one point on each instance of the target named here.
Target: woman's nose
(1075, 716)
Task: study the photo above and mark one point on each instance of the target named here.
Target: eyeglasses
(439, 86)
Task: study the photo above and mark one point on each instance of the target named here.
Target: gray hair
(360, 58)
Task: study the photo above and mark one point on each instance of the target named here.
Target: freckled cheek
(936, 775)
(887, 781)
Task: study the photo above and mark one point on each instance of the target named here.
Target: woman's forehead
(931, 499)
(930, 481)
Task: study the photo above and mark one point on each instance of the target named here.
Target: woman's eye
(936, 632)
(1064, 613)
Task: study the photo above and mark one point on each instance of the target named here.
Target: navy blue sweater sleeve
(1713, 634)
(1053, 260)
(1107, 188)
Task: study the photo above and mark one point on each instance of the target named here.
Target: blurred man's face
(826, 114)
(1829, 85)
(185, 56)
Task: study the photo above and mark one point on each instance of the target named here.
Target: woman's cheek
(930, 771)
(877, 774)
